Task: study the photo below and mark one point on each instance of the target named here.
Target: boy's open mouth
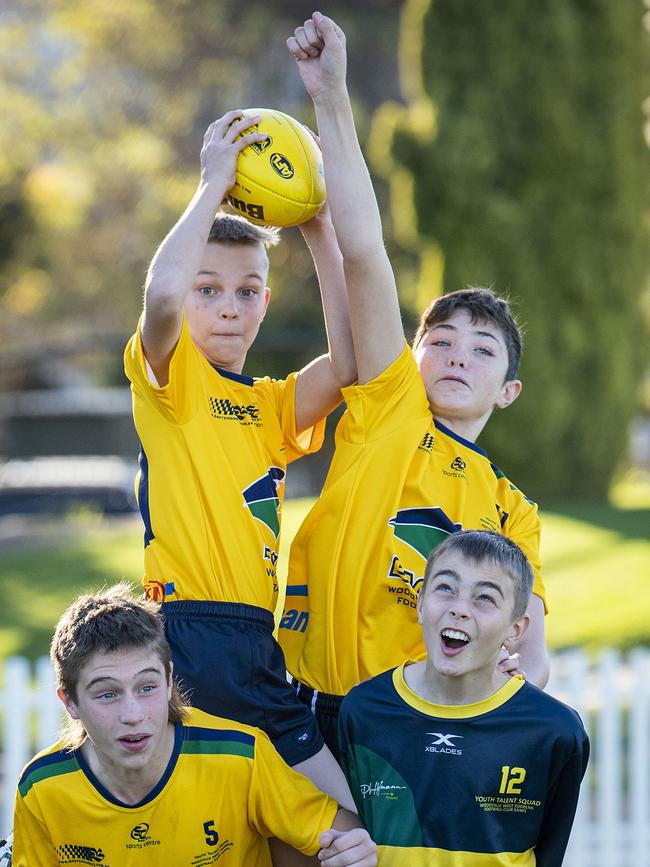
(454, 639)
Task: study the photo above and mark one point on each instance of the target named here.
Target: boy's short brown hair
(483, 306)
(231, 229)
(103, 622)
(477, 546)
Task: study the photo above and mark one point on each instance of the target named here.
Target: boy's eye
(105, 696)
(485, 350)
(485, 597)
(444, 587)
(206, 290)
(148, 687)
(248, 293)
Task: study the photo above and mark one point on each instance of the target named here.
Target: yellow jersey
(399, 483)
(224, 792)
(215, 448)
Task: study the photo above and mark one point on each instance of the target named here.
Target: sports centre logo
(140, 834)
(423, 528)
(281, 166)
(263, 500)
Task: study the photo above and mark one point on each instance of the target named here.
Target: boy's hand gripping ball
(280, 180)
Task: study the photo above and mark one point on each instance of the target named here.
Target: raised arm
(318, 389)
(177, 260)
(319, 50)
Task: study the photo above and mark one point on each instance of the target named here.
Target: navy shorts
(326, 709)
(230, 665)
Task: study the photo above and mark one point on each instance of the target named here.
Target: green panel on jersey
(374, 778)
(223, 748)
(47, 770)
(266, 511)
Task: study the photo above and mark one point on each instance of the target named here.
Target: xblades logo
(263, 501)
(444, 743)
(443, 739)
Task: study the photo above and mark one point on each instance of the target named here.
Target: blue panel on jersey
(143, 496)
(197, 733)
(298, 590)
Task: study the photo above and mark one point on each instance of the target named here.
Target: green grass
(596, 567)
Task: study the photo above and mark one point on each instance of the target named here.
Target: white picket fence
(612, 695)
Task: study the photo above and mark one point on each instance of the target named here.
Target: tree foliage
(104, 108)
(521, 159)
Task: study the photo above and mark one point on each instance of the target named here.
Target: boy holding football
(140, 779)
(503, 759)
(215, 448)
(407, 471)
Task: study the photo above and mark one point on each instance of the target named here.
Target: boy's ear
(68, 703)
(516, 632)
(419, 604)
(267, 298)
(510, 391)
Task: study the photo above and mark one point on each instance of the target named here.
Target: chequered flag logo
(70, 853)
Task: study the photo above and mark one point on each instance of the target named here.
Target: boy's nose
(228, 309)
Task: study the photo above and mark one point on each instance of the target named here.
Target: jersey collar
(236, 377)
(454, 436)
(150, 796)
(454, 711)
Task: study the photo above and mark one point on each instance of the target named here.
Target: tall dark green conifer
(531, 175)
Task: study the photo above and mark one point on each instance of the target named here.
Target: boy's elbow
(345, 371)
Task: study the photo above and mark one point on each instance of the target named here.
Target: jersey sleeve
(284, 396)
(561, 804)
(178, 400)
(346, 747)
(391, 401)
(283, 803)
(523, 526)
(32, 843)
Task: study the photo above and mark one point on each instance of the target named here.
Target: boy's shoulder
(205, 733)
(55, 760)
(546, 709)
(376, 691)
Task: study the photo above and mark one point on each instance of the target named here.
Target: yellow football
(280, 180)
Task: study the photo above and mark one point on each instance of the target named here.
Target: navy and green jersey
(480, 785)
(224, 791)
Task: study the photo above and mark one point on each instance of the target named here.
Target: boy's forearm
(349, 187)
(321, 240)
(533, 655)
(177, 260)
(346, 820)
